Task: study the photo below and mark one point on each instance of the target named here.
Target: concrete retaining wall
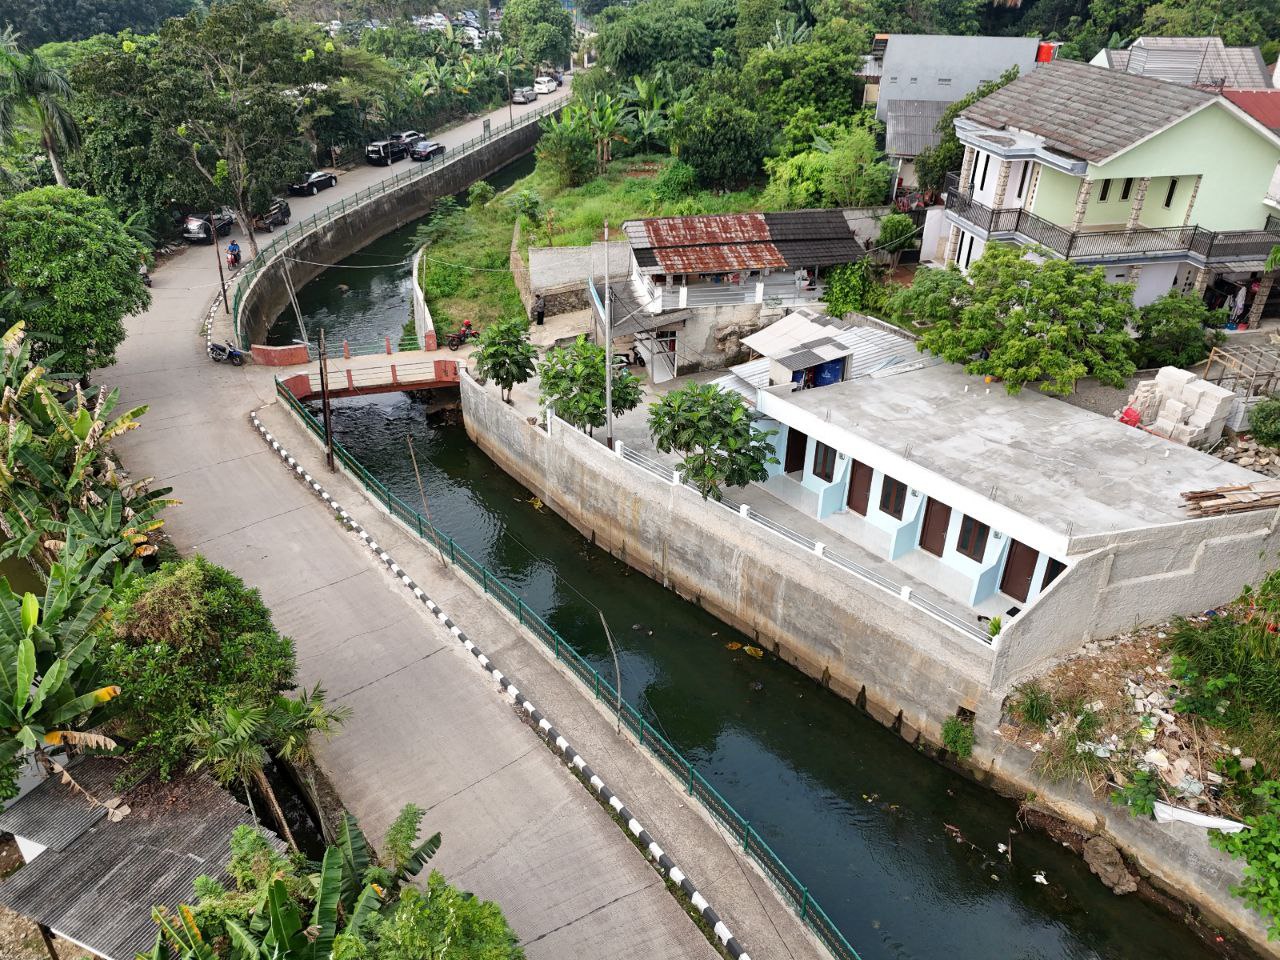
(897, 661)
(267, 294)
(423, 326)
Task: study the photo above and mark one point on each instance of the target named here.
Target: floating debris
(1038, 877)
(1001, 848)
(733, 645)
(535, 503)
(751, 651)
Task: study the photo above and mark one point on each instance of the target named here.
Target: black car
(425, 150)
(276, 215)
(383, 153)
(313, 183)
(196, 228)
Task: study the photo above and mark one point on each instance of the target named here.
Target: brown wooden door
(933, 533)
(859, 488)
(797, 442)
(1019, 567)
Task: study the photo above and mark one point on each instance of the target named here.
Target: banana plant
(180, 940)
(404, 858)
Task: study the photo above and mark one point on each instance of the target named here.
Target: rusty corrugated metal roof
(717, 258)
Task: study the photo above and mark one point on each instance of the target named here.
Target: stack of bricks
(1179, 405)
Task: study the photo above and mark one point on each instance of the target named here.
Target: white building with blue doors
(1066, 524)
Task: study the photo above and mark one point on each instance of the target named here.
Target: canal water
(900, 851)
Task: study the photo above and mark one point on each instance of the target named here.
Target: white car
(545, 85)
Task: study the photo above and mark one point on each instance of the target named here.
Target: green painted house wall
(1235, 161)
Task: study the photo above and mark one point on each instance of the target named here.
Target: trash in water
(1001, 848)
(1038, 877)
(535, 503)
(637, 626)
(733, 645)
(757, 685)
(751, 651)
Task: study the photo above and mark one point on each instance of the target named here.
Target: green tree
(935, 297)
(897, 233)
(713, 430)
(571, 380)
(505, 355)
(44, 21)
(183, 641)
(1050, 323)
(36, 96)
(934, 163)
(843, 167)
(71, 258)
(542, 30)
(1177, 330)
(723, 140)
(821, 74)
(756, 20)
(854, 286)
(565, 147)
(605, 119)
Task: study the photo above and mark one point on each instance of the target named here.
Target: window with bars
(973, 538)
(824, 461)
(893, 497)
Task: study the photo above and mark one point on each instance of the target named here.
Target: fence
(663, 472)
(695, 784)
(293, 233)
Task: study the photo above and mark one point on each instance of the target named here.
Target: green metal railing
(695, 784)
(296, 231)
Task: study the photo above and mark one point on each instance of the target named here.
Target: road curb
(553, 737)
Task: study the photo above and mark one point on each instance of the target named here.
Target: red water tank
(1046, 51)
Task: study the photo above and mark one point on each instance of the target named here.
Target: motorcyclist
(467, 331)
(233, 251)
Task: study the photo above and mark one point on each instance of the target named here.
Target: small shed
(95, 882)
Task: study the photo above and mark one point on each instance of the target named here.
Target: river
(862, 818)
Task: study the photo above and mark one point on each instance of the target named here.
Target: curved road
(427, 727)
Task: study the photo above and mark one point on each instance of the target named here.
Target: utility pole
(217, 255)
(608, 346)
(324, 403)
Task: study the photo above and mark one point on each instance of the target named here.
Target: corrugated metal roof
(718, 257)
(1086, 111)
(1193, 60)
(1262, 105)
(911, 126)
(54, 815)
(101, 889)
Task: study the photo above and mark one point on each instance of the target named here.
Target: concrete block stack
(1179, 405)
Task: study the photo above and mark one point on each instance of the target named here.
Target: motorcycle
(144, 274)
(461, 337)
(218, 352)
(233, 259)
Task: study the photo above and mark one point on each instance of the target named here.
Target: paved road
(427, 726)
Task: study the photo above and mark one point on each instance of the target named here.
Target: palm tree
(34, 96)
(788, 33)
(231, 747)
(294, 721)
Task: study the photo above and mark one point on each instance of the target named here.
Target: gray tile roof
(1193, 60)
(1085, 111)
(911, 126)
(101, 889)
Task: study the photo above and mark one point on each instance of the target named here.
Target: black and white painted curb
(545, 727)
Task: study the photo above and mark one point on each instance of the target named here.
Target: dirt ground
(19, 938)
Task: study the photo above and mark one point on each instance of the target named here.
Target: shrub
(527, 204)
(676, 181)
(480, 193)
(1259, 848)
(441, 280)
(855, 286)
(1176, 331)
(1264, 421)
(957, 736)
(1033, 705)
(183, 640)
(1139, 794)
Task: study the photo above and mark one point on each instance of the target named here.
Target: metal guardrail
(695, 784)
(938, 612)
(296, 231)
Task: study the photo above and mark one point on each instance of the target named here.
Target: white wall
(1154, 281)
(933, 240)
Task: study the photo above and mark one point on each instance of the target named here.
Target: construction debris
(1181, 407)
(1263, 495)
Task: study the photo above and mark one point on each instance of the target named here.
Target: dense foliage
(713, 430)
(76, 267)
(1177, 330)
(46, 21)
(540, 31)
(934, 163)
(1264, 421)
(572, 381)
(505, 355)
(1019, 321)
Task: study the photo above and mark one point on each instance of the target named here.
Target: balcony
(1025, 226)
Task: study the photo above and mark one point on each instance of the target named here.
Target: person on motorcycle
(233, 251)
(467, 331)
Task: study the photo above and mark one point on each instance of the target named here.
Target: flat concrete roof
(1071, 470)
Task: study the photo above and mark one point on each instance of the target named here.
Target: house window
(1168, 197)
(824, 462)
(1103, 191)
(893, 497)
(1022, 178)
(1053, 569)
(1128, 185)
(968, 251)
(973, 538)
(944, 81)
(986, 165)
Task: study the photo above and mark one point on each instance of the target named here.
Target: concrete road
(427, 726)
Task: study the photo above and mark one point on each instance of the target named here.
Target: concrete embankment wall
(267, 293)
(896, 660)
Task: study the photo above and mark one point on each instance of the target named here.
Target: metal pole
(422, 492)
(511, 107)
(293, 298)
(617, 670)
(608, 346)
(324, 403)
(217, 255)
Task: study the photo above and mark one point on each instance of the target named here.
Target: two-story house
(1163, 185)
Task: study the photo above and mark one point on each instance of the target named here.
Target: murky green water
(860, 817)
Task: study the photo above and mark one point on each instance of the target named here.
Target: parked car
(405, 136)
(524, 95)
(198, 229)
(383, 153)
(313, 183)
(545, 85)
(276, 215)
(425, 150)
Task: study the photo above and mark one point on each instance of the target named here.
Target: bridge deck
(379, 373)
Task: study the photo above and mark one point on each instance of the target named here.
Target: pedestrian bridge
(392, 373)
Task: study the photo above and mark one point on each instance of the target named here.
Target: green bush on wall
(1264, 421)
